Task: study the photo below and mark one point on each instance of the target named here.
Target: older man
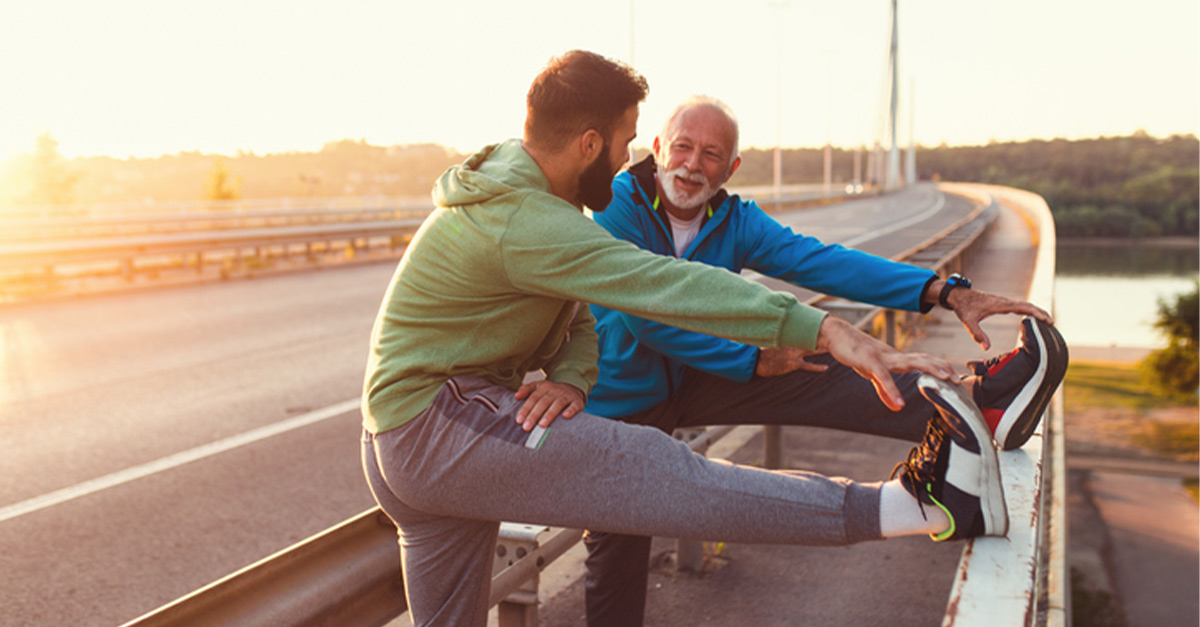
(673, 204)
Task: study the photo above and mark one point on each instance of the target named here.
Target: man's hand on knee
(545, 401)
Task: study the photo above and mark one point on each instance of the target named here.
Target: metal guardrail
(124, 224)
(346, 575)
(41, 247)
(998, 578)
(42, 254)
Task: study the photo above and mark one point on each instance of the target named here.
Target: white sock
(900, 514)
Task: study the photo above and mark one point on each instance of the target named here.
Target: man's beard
(678, 197)
(595, 184)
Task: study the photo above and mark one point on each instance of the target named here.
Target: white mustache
(691, 177)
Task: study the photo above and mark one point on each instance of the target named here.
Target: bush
(1175, 370)
(1172, 372)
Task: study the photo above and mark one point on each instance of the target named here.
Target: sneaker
(955, 467)
(1014, 389)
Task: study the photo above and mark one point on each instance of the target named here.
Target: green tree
(51, 181)
(220, 184)
(1175, 370)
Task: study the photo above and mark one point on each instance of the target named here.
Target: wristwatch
(952, 281)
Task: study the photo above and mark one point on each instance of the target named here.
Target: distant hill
(1133, 186)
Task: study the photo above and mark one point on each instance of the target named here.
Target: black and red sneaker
(1014, 389)
(955, 468)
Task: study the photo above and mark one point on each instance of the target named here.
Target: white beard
(678, 197)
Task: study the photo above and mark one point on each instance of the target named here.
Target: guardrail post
(772, 447)
(689, 554)
(518, 609)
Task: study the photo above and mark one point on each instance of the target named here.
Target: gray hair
(701, 100)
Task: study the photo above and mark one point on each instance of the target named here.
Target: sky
(128, 78)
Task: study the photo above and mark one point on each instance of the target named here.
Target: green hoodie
(494, 281)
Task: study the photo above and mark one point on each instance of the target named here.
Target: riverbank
(1173, 241)
(1110, 354)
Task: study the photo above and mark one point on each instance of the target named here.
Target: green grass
(1117, 385)
(1104, 384)
(1174, 440)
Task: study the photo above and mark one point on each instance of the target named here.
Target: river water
(1106, 294)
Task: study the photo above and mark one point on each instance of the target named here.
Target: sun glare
(126, 78)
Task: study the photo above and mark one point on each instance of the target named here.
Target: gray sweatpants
(447, 478)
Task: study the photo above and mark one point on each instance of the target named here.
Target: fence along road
(65, 250)
(165, 372)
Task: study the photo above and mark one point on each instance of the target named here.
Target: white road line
(892, 228)
(172, 461)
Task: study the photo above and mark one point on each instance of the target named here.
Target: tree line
(1133, 186)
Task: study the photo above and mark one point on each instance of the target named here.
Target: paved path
(1152, 523)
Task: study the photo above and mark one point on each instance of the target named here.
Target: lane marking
(892, 228)
(57, 497)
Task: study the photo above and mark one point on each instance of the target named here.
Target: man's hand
(875, 361)
(773, 362)
(972, 307)
(545, 400)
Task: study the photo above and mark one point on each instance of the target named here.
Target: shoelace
(985, 394)
(918, 467)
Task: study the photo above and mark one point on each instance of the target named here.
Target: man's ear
(591, 144)
(733, 168)
(656, 146)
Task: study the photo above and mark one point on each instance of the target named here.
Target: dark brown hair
(578, 91)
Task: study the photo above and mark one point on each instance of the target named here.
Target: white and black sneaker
(955, 467)
(1015, 388)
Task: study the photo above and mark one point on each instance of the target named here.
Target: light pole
(778, 170)
(893, 171)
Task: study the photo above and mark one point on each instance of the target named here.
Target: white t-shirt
(684, 231)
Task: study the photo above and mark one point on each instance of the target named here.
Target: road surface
(152, 442)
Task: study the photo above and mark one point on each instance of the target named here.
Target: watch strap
(952, 281)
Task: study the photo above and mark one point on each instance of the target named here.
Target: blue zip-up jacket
(642, 362)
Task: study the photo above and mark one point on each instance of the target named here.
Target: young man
(490, 289)
(673, 204)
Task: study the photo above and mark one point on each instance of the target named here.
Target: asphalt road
(122, 483)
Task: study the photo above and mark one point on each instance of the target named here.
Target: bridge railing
(1021, 579)
(350, 574)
